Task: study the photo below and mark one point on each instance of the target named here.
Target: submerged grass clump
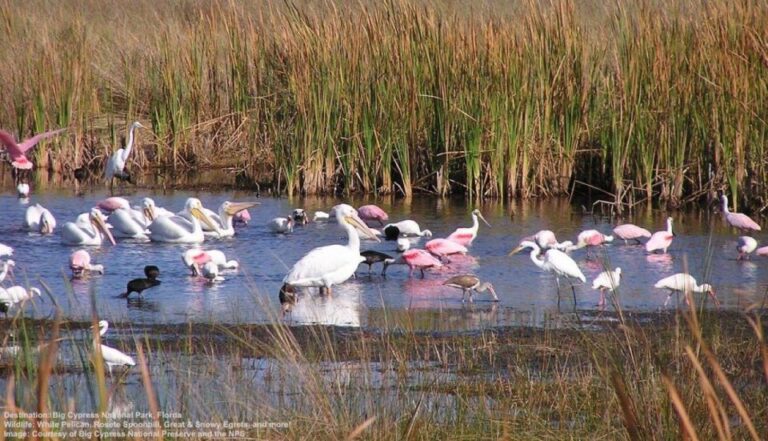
(670, 101)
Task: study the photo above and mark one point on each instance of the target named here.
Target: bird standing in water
(469, 283)
(139, 285)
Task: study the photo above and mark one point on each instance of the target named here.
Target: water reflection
(340, 309)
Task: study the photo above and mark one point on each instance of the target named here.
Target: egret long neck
(536, 261)
(725, 205)
(129, 146)
(669, 226)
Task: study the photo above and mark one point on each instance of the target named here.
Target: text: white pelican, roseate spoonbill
(39, 219)
(331, 265)
(738, 220)
(630, 232)
(469, 283)
(444, 247)
(281, 225)
(589, 239)
(682, 282)
(6, 268)
(17, 151)
(116, 163)
(195, 258)
(606, 281)
(88, 229)
(22, 190)
(210, 271)
(372, 213)
(80, 264)
(745, 246)
(415, 259)
(661, 240)
(553, 261)
(182, 229)
(223, 219)
(465, 236)
(300, 216)
(403, 244)
(407, 228)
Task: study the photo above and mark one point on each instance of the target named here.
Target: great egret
(606, 281)
(556, 262)
(116, 164)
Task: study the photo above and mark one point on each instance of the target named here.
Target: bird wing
(112, 355)
(563, 264)
(321, 261)
(31, 142)
(32, 216)
(10, 144)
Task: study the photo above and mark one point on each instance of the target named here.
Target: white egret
(554, 261)
(116, 163)
(15, 295)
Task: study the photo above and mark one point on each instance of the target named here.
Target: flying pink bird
(661, 240)
(465, 236)
(80, 264)
(372, 213)
(444, 247)
(415, 259)
(630, 232)
(17, 151)
(738, 220)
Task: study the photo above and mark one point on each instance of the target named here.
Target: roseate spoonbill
(682, 282)
(223, 219)
(113, 203)
(15, 295)
(415, 259)
(210, 272)
(5, 250)
(88, 229)
(80, 264)
(287, 297)
(7, 268)
(589, 239)
(465, 236)
(241, 218)
(738, 220)
(546, 239)
(17, 151)
(195, 258)
(37, 218)
(372, 256)
(762, 251)
(331, 265)
(300, 216)
(182, 229)
(556, 262)
(745, 246)
(469, 283)
(405, 228)
(403, 244)
(151, 272)
(606, 281)
(116, 163)
(444, 247)
(23, 190)
(320, 216)
(281, 225)
(661, 240)
(628, 232)
(372, 213)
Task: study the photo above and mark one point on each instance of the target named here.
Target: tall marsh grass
(399, 96)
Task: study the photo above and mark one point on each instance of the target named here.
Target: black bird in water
(138, 285)
(372, 257)
(391, 232)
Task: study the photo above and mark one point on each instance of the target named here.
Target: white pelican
(606, 281)
(23, 190)
(89, 229)
(465, 236)
(116, 163)
(7, 268)
(195, 258)
(405, 228)
(80, 264)
(682, 282)
(182, 229)
(333, 264)
(403, 244)
(554, 261)
(131, 222)
(223, 219)
(211, 272)
(320, 216)
(39, 219)
(281, 225)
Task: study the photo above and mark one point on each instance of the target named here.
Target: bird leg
(422, 272)
(601, 303)
(573, 290)
(463, 295)
(471, 300)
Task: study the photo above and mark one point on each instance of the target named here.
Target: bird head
(45, 225)
(148, 208)
(100, 223)
(525, 245)
(300, 216)
(232, 208)
(195, 208)
(477, 213)
(345, 214)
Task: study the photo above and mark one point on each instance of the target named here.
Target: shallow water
(249, 295)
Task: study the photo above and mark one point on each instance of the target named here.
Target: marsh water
(703, 244)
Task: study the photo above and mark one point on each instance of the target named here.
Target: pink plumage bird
(661, 240)
(415, 259)
(762, 251)
(444, 247)
(738, 220)
(113, 203)
(80, 264)
(242, 217)
(18, 151)
(465, 236)
(372, 213)
(630, 232)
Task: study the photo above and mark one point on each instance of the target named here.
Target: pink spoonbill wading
(373, 213)
(628, 232)
(661, 240)
(415, 259)
(444, 247)
(738, 220)
(589, 239)
(465, 236)
(80, 264)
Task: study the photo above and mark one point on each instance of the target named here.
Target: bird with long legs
(627, 232)
(661, 240)
(556, 262)
(17, 151)
(115, 168)
(112, 357)
(739, 221)
(465, 236)
(470, 283)
(373, 213)
(373, 256)
(590, 239)
(606, 281)
(331, 265)
(686, 284)
(415, 259)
